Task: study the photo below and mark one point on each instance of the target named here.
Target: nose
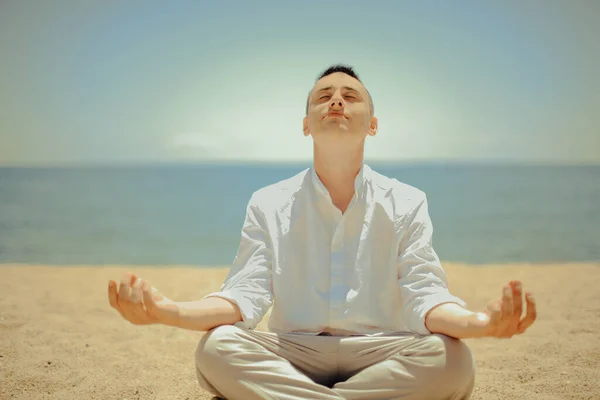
(336, 104)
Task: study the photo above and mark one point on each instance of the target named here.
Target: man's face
(339, 110)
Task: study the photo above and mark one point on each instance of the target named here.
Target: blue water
(193, 214)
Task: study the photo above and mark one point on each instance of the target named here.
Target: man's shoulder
(401, 193)
(278, 193)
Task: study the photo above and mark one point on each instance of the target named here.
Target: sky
(110, 82)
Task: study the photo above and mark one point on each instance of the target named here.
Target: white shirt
(369, 271)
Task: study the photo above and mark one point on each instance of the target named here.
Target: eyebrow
(343, 87)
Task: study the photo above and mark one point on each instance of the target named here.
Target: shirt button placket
(337, 272)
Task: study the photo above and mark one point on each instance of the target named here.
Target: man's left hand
(502, 317)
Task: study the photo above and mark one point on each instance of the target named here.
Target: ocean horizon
(192, 213)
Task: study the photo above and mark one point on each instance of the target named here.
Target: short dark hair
(346, 69)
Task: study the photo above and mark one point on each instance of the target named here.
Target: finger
(112, 296)
(503, 328)
(517, 299)
(517, 308)
(507, 303)
(136, 305)
(147, 293)
(136, 291)
(124, 299)
(531, 315)
(125, 288)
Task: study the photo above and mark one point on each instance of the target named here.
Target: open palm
(141, 304)
(504, 314)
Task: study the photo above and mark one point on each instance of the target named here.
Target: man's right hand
(141, 304)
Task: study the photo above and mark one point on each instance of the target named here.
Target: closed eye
(348, 97)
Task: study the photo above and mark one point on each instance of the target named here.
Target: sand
(59, 338)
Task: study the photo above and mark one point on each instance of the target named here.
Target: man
(361, 307)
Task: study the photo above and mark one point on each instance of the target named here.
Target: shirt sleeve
(423, 282)
(248, 283)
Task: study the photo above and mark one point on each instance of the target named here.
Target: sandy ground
(59, 338)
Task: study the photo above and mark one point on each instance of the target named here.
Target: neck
(338, 171)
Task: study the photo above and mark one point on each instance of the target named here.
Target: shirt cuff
(431, 301)
(246, 308)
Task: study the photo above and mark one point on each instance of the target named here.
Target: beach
(60, 339)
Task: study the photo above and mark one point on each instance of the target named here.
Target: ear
(373, 126)
(305, 126)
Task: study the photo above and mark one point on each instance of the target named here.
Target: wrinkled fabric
(236, 363)
(371, 270)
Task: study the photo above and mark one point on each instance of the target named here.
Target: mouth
(335, 115)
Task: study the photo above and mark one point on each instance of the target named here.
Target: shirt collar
(359, 181)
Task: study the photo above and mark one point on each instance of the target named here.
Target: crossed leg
(405, 367)
(240, 364)
(234, 363)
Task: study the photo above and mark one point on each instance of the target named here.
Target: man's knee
(210, 361)
(213, 345)
(458, 371)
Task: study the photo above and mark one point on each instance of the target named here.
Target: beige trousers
(239, 364)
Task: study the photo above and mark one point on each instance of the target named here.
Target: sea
(192, 214)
